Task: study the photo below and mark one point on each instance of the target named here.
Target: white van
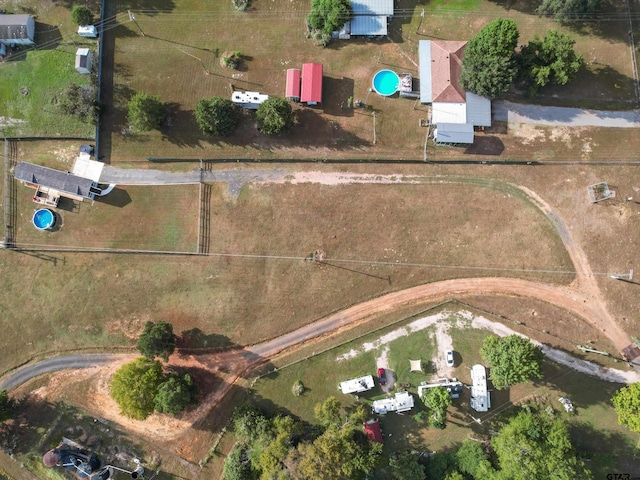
(89, 31)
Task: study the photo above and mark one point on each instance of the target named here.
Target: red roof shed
(292, 90)
(311, 83)
(372, 429)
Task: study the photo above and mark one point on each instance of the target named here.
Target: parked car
(450, 358)
(382, 377)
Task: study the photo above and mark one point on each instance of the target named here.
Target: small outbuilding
(17, 29)
(372, 430)
(292, 89)
(83, 61)
(311, 87)
(453, 133)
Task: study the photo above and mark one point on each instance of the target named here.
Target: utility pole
(133, 19)
(420, 24)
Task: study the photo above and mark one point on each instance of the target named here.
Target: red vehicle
(382, 377)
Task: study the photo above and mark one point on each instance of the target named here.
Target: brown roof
(446, 68)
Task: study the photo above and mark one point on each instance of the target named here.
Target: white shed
(83, 61)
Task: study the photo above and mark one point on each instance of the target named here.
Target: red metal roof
(292, 89)
(311, 83)
(372, 429)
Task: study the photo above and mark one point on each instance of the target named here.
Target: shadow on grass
(337, 92)
(197, 339)
(118, 197)
(48, 37)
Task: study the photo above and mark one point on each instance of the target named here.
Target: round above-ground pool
(386, 82)
(44, 219)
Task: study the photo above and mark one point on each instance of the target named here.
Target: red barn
(292, 90)
(372, 429)
(311, 84)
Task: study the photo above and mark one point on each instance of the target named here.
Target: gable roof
(372, 429)
(55, 179)
(311, 83)
(446, 68)
(372, 7)
(14, 26)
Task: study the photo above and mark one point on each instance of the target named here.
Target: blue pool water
(386, 82)
(44, 219)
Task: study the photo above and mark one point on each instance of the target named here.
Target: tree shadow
(197, 339)
(188, 134)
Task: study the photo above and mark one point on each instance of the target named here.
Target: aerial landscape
(319, 239)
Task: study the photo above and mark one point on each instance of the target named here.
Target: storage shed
(292, 89)
(83, 61)
(453, 133)
(372, 430)
(311, 88)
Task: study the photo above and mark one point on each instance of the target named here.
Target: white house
(83, 61)
(17, 29)
(357, 385)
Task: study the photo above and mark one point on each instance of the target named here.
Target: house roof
(446, 68)
(14, 26)
(372, 7)
(311, 83)
(478, 110)
(372, 429)
(55, 179)
(369, 25)
(448, 112)
(292, 88)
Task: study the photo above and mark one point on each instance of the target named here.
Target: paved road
(54, 364)
(560, 116)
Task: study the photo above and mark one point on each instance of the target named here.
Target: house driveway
(505, 111)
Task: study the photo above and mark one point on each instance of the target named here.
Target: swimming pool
(386, 82)
(44, 219)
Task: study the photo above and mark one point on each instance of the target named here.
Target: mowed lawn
(178, 59)
(594, 429)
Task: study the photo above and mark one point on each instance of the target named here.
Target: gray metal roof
(372, 7)
(369, 25)
(478, 110)
(454, 133)
(14, 27)
(55, 179)
(424, 59)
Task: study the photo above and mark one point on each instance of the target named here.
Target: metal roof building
(372, 430)
(17, 29)
(372, 7)
(292, 87)
(68, 184)
(311, 90)
(453, 133)
(366, 25)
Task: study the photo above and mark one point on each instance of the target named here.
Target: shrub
(81, 15)
(297, 389)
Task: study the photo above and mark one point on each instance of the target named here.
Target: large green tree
(81, 15)
(175, 394)
(473, 460)
(216, 116)
(513, 359)
(488, 65)
(157, 340)
(627, 404)
(550, 60)
(146, 112)
(275, 116)
(567, 10)
(437, 400)
(6, 406)
(328, 412)
(405, 466)
(329, 15)
(135, 385)
(237, 465)
(535, 445)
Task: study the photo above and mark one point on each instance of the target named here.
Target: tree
(81, 15)
(135, 385)
(535, 445)
(157, 340)
(275, 116)
(6, 406)
(437, 400)
(627, 404)
(175, 394)
(513, 359)
(328, 412)
(405, 466)
(550, 60)
(146, 112)
(329, 15)
(237, 465)
(471, 458)
(249, 423)
(566, 10)
(488, 65)
(216, 116)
